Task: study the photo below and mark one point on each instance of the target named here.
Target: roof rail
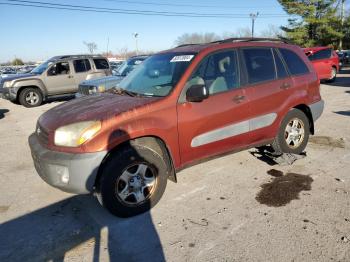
(188, 45)
(252, 39)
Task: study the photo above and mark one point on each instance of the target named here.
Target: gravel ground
(235, 208)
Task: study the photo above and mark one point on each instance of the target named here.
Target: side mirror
(197, 93)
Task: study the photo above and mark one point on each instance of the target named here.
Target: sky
(36, 34)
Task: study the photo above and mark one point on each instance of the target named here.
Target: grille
(84, 90)
(42, 135)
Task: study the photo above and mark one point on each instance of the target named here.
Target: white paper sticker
(181, 58)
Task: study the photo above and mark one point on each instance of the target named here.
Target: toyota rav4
(179, 107)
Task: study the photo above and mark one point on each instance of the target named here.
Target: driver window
(61, 68)
(219, 72)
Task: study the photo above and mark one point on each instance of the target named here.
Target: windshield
(127, 66)
(41, 68)
(157, 75)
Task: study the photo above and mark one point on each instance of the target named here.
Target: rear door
(268, 86)
(322, 62)
(82, 68)
(218, 123)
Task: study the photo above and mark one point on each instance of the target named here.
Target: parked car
(325, 60)
(178, 108)
(127, 66)
(98, 85)
(341, 57)
(58, 76)
(103, 84)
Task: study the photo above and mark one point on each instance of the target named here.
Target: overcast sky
(32, 33)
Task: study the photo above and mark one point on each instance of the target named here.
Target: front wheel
(293, 134)
(30, 97)
(133, 181)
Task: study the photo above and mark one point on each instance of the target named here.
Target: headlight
(7, 84)
(76, 134)
(92, 90)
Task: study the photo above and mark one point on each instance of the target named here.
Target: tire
(127, 164)
(30, 97)
(282, 142)
(333, 75)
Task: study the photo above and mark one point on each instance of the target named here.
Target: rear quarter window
(101, 63)
(295, 64)
(323, 54)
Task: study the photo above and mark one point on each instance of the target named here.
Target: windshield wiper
(121, 91)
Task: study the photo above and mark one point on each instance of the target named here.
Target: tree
(91, 46)
(272, 31)
(313, 22)
(196, 38)
(17, 62)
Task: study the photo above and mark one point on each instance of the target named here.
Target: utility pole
(342, 19)
(107, 46)
(253, 17)
(136, 44)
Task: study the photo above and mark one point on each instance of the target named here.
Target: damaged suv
(179, 107)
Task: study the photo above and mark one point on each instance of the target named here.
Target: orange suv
(179, 107)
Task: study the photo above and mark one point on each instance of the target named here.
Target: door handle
(238, 99)
(285, 86)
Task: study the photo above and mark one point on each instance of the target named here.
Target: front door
(219, 123)
(59, 78)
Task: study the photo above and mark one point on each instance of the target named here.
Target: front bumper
(317, 109)
(8, 94)
(55, 167)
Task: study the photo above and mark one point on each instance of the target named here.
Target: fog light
(62, 173)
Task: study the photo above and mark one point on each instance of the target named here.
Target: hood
(98, 107)
(14, 77)
(107, 81)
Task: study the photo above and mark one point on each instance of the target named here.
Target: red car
(325, 60)
(178, 108)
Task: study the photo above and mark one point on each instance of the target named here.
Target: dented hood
(97, 107)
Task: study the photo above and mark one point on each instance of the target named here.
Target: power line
(128, 10)
(184, 5)
(38, 4)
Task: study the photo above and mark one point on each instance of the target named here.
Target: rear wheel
(333, 75)
(133, 181)
(30, 97)
(293, 134)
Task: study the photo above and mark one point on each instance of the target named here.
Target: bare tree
(272, 31)
(196, 38)
(91, 46)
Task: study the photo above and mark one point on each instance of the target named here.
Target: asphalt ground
(240, 207)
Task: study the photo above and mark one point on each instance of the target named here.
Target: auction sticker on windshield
(181, 58)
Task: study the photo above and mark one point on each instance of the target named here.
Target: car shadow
(343, 113)
(341, 80)
(59, 99)
(3, 112)
(50, 232)
(265, 154)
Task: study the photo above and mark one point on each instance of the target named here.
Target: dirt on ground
(236, 208)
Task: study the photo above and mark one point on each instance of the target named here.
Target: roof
(315, 49)
(196, 48)
(75, 56)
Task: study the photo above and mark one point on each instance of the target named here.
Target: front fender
(20, 83)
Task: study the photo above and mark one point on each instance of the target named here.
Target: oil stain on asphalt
(327, 141)
(283, 188)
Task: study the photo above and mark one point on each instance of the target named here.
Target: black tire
(113, 169)
(26, 93)
(334, 75)
(280, 144)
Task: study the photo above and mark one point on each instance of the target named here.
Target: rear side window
(260, 64)
(323, 54)
(281, 69)
(294, 63)
(101, 63)
(81, 65)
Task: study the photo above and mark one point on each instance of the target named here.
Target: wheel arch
(21, 88)
(307, 111)
(154, 143)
